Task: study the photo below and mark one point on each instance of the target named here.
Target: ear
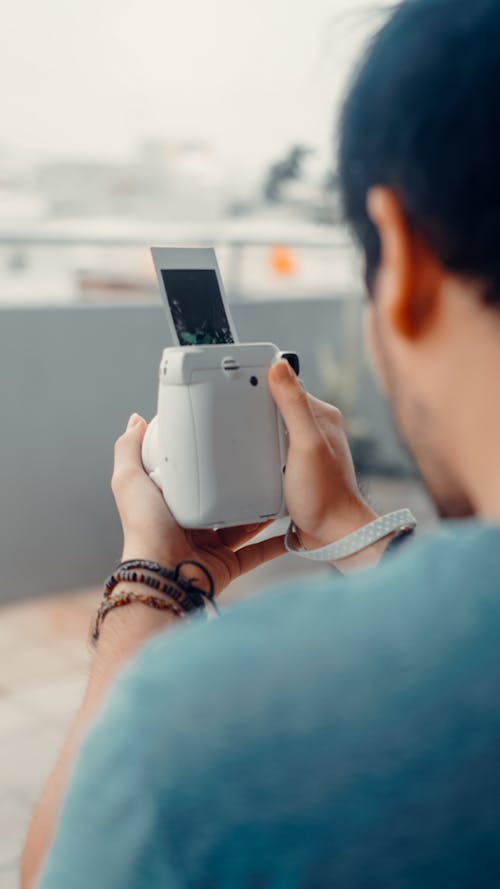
(409, 277)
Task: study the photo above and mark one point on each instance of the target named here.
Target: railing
(47, 264)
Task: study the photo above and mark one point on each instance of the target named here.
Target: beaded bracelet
(182, 597)
(181, 590)
(170, 574)
(117, 600)
(187, 602)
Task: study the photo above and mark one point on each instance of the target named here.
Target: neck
(474, 413)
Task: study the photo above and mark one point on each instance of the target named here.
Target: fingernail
(283, 371)
(133, 421)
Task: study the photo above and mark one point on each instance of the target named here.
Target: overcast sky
(95, 77)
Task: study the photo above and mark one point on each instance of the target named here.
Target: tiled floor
(43, 663)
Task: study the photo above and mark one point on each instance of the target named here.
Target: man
(345, 732)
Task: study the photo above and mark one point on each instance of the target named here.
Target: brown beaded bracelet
(117, 600)
(172, 590)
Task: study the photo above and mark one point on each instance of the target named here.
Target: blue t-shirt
(341, 733)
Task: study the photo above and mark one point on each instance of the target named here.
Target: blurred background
(133, 121)
(137, 122)
(127, 123)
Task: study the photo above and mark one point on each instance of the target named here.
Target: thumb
(292, 402)
(128, 446)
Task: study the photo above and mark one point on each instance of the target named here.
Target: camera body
(217, 447)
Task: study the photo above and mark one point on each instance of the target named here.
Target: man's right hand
(321, 489)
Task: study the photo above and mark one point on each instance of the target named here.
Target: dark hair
(422, 117)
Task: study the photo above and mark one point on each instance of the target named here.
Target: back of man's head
(419, 168)
(423, 118)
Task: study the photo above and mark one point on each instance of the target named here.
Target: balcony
(69, 378)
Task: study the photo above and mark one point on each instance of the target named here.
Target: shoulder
(438, 590)
(281, 713)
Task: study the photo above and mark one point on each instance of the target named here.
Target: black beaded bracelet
(170, 574)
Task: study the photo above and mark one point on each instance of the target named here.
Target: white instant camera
(217, 446)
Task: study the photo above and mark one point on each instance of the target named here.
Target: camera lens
(254, 381)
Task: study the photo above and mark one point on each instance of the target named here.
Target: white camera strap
(401, 520)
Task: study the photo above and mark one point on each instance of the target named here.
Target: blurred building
(164, 180)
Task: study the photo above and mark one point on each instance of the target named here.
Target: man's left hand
(151, 532)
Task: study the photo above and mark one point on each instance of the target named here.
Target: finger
(293, 403)
(128, 447)
(256, 554)
(235, 537)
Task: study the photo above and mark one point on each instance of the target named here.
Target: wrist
(172, 591)
(124, 631)
(339, 523)
(166, 556)
(183, 563)
(362, 545)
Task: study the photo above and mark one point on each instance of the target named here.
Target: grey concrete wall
(69, 379)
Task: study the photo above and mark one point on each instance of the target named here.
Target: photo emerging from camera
(197, 308)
